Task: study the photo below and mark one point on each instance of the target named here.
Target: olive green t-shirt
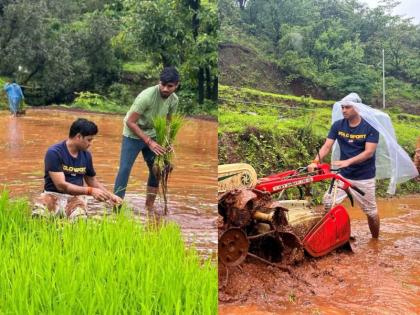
(150, 104)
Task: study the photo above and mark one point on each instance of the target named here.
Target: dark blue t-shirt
(352, 142)
(59, 159)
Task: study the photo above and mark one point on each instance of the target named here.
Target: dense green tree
(335, 45)
(182, 33)
(55, 49)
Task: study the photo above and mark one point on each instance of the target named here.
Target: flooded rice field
(192, 185)
(379, 277)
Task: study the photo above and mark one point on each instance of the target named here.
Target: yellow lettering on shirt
(351, 136)
(71, 169)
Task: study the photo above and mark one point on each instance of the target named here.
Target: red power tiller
(256, 225)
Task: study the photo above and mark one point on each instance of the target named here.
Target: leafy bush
(96, 102)
(120, 94)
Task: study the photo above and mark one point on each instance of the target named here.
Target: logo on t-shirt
(74, 170)
(351, 136)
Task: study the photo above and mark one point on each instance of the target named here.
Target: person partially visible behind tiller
(68, 165)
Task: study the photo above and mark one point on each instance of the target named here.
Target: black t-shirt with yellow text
(352, 142)
(59, 159)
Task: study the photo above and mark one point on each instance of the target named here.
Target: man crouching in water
(68, 165)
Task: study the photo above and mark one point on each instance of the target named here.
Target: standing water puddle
(192, 185)
(379, 277)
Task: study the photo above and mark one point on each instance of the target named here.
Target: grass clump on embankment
(98, 267)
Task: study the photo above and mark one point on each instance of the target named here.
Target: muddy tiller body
(271, 230)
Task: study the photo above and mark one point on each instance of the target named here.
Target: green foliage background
(55, 49)
(327, 48)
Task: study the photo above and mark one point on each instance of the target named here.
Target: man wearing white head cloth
(364, 147)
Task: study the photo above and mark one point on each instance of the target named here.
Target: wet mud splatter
(378, 277)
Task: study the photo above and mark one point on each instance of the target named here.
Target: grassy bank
(274, 132)
(98, 103)
(107, 267)
(240, 109)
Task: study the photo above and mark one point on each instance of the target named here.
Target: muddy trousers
(366, 202)
(60, 205)
(130, 149)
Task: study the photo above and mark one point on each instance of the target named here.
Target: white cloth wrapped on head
(391, 160)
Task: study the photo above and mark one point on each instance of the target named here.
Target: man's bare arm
(92, 181)
(323, 152)
(132, 124)
(62, 186)
(369, 151)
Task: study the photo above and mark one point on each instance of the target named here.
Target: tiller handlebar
(278, 182)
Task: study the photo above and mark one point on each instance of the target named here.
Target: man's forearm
(138, 132)
(360, 158)
(72, 189)
(93, 182)
(323, 152)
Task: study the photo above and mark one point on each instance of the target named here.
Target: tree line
(55, 48)
(333, 44)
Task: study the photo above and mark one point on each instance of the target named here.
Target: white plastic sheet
(391, 160)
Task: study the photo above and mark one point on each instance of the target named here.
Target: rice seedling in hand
(166, 131)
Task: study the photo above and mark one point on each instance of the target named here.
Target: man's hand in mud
(341, 164)
(99, 194)
(116, 200)
(156, 148)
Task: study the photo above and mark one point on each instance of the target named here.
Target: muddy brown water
(379, 277)
(192, 185)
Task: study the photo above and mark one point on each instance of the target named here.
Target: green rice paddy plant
(111, 266)
(166, 131)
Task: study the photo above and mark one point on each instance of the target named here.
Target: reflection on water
(379, 277)
(192, 185)
(14, 136)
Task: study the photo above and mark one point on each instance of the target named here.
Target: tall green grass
(98, 267)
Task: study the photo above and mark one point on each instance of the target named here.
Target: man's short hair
(169, 75)
(84, 127)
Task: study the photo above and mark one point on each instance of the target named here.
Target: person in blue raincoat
(15, 96)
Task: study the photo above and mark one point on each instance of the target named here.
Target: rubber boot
(374, 223)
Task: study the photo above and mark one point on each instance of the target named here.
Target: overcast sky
(407, 8)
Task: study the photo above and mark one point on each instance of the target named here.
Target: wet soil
(192, 184)
(378, 277)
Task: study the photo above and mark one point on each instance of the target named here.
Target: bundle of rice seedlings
(166, 131)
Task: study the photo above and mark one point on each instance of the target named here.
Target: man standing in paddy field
(139, 134)
(366, 149)
(68, 165)
(358, 141)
